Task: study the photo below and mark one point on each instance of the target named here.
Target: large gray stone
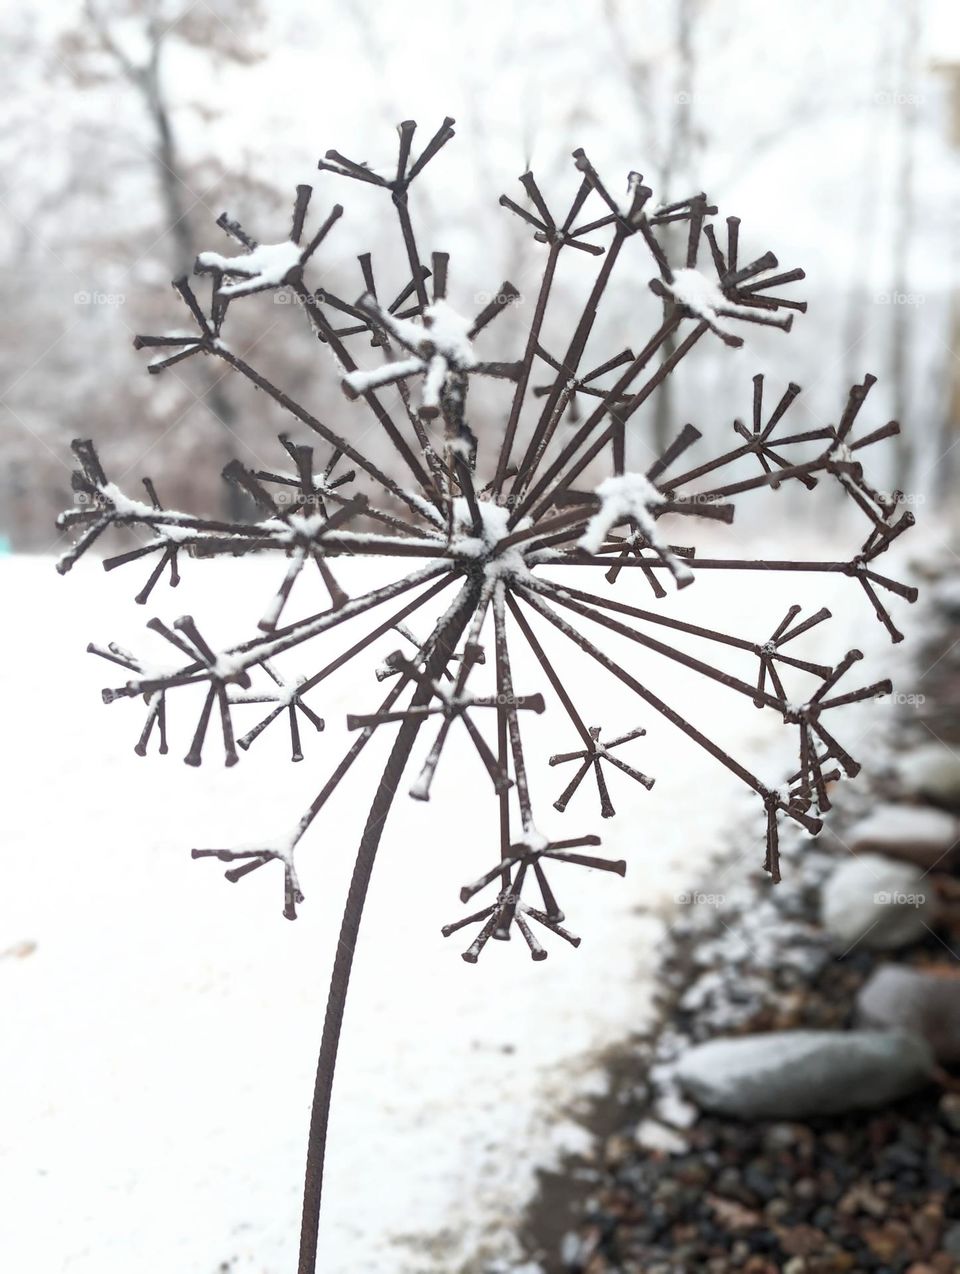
(877, 902)
(915, 833)
(901, 998)
(932, 770)
(803, 1074)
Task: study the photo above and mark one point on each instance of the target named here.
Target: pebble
(932, 770)
(916, 833)
(655, 1136)
(878, 903)
(951, 1240)
(795, 1074)
(927, 1002)
(672, 1109)
(949, 1111)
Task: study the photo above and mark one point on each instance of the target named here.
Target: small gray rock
(949, 1110)
(916, 833)
(951, 1240)
(801, 1074)
(895, 997)
(932, 770)
(877, 902)
(946, 595)
(653, 1135)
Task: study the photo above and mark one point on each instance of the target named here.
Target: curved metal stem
(453, 625)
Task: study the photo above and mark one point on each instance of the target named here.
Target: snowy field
(161, 1025)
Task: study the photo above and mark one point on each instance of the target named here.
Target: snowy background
(161, 1024)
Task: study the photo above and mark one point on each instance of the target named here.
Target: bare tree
(672, 139)
(101, 53)
(867, 212)
(903, 220)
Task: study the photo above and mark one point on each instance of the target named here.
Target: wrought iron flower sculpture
(490, 522)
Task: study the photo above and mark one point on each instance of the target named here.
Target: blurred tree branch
(127, 41)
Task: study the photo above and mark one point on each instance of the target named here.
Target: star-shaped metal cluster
(488, 517)
(590, 757)
(509, 909)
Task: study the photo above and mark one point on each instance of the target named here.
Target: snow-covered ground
(161, 1025)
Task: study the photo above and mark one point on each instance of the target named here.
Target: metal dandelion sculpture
(487, 521)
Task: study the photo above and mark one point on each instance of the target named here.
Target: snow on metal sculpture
(490, 520)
